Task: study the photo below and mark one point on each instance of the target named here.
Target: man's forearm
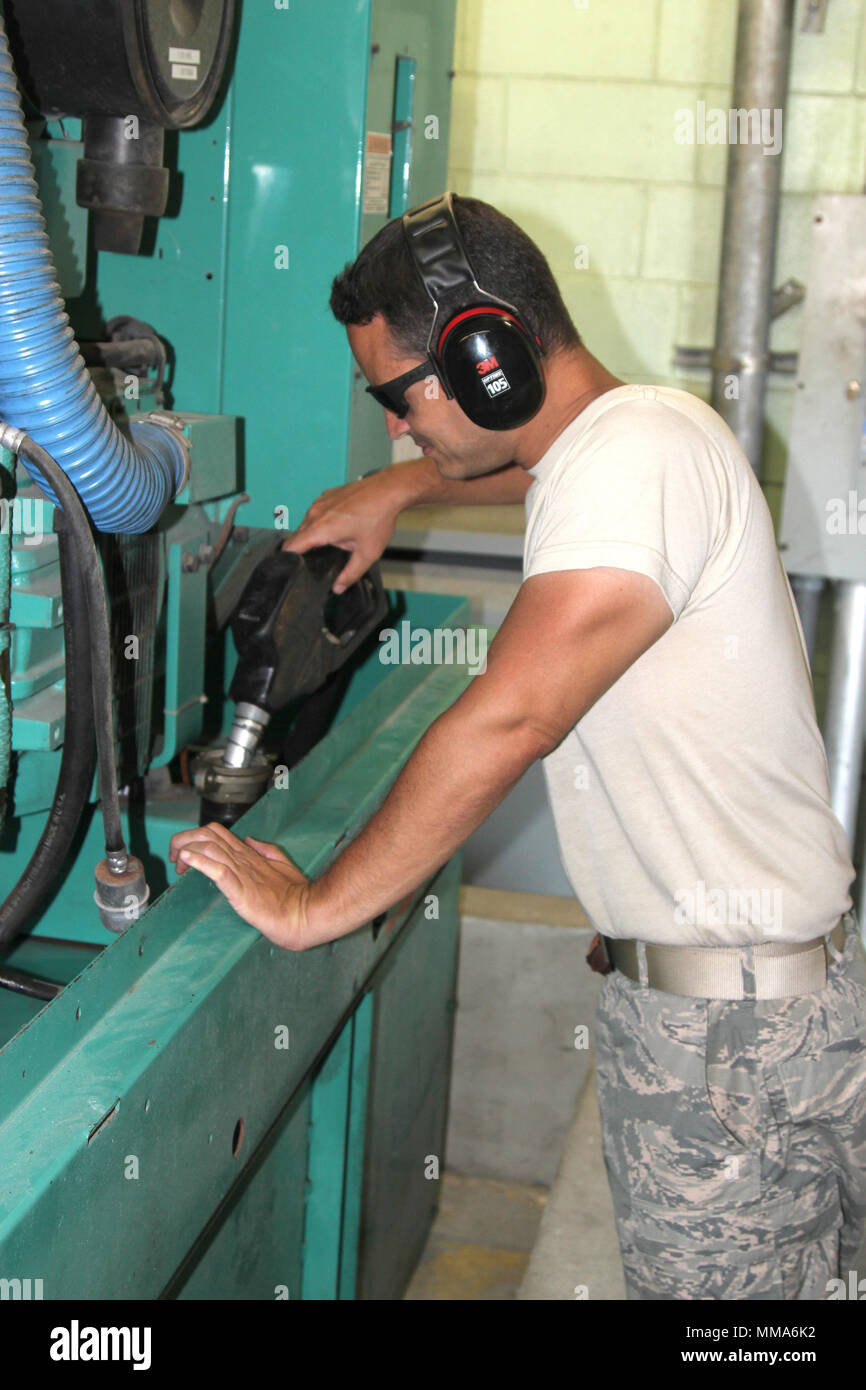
(425, 486)
(459, 772)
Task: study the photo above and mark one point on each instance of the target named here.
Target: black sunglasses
(390, 393)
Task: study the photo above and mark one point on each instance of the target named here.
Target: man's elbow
(536, 736)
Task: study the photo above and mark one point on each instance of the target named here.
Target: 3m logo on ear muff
(493, 378)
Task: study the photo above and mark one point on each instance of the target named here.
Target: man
(654, 660)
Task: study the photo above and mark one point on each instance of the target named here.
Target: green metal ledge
(161, 1053)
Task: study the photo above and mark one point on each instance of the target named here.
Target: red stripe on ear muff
(473, 313)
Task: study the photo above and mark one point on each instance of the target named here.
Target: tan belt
(716, 972)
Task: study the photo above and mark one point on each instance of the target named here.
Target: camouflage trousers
(734, 1135)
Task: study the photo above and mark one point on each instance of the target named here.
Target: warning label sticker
(185, 63)
(377, 173)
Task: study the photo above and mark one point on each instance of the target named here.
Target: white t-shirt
(691, 801)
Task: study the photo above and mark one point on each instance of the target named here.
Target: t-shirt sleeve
(638, 492)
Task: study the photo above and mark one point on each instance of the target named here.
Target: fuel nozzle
(246, 735)
(291, 634)
(230, 779)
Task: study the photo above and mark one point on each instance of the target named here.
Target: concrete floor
(496, 1240)
(523, 989)
(481, 1241)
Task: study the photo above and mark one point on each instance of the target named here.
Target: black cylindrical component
(121, 179)
(77, 759)
(224, 812)
(132, 69)
(228, 791)
(33, 985)
(158, 59)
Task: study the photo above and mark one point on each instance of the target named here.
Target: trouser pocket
(784, 1249)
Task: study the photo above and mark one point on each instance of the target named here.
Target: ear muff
(485, 356)
(491, 365)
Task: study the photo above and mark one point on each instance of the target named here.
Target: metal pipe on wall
(740, 363)
(808, 590)
(846, 703)
(741, 352)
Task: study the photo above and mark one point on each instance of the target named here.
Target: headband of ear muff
(487, 358)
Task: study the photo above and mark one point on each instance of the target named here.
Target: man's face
(438, 426)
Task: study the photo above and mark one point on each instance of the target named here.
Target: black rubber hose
(100, 633)
(314, 718)
(33, 985)
(77, 759)
(98, 638)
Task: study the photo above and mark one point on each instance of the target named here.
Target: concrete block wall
(564, 116)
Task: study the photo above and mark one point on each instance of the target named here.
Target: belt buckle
(597, 958)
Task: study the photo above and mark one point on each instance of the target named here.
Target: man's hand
(261, 883)
(360, 517)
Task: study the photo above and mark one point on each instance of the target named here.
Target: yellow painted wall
(564, 116)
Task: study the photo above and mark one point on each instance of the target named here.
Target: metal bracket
(697, 359)
(814, 17)
(187, 704)
(780, 363)
(785, 297)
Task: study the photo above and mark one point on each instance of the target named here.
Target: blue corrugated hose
(44, 386)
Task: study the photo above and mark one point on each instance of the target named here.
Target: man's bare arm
(361, 516)
(567, 638)
(424, 485)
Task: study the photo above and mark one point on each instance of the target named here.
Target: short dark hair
(507, 263)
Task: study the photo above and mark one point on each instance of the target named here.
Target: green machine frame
(198, 1114)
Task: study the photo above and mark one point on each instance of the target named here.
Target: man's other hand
(261, 883)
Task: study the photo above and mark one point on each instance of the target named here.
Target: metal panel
(252, 1248)
(167, 1039)
(409, 1094)
(186, 609)
(404, 132)
(424, 33)
(362, 1025)
(326, 1171)
(824, 511)
(293, 1220)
